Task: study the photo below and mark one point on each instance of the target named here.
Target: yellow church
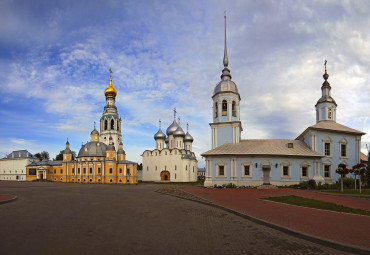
(98, 161)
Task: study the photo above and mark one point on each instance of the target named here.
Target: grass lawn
(350, 191)
(317, 204)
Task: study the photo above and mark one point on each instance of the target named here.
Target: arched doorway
(165, 176)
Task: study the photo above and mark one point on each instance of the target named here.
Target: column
(229, 110)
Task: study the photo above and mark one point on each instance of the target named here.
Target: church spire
(326, 105)
(226, 59)
(225, 72)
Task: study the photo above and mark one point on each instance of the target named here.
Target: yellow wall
(59, 173)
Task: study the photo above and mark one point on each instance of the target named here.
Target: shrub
(303, 185)
(312, 183)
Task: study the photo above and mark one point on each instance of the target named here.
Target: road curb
(322, 241)
(8, 200)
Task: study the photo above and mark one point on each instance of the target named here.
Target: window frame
(250, 165)
(218, 168)
(329, 172)
(286, 164)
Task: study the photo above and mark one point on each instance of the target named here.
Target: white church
(172, 160)
(314, 154)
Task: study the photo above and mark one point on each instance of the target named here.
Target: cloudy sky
(55, 57)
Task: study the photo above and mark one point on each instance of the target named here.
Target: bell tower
(110, 122)
(326, 107)
(226, 126)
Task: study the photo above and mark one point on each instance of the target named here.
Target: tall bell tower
(110, 122)
(226, 126)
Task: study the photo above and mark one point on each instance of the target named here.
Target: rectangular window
(73, 170)
(128, 171)
(32, 171)
(304, 171)
(78, 170)
(120, 170)
(221, 170)
(327, 171)
(61, 171)
(246, 170)
(343, 150)
(285, 170)
(110, 170)
(84, 170)
(55, 171)
(90, 170)
(327, 149)
(98, 170)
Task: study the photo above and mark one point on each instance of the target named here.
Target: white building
(13, 165)
(175, 161)
(314, 154)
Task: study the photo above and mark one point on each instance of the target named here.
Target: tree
(140, 166)
(42, 155)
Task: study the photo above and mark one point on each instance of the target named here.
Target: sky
(55, 58)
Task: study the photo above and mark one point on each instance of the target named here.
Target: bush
(312, 183)
(303, 185)
(348, 183)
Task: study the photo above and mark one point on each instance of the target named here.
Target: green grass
(317, 204)
(350, 191)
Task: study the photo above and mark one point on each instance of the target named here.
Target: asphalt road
(60, 218)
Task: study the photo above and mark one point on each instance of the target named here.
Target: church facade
(172, 159)
(314, 154)
(98, 161)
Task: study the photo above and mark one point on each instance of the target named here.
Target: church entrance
(41, 176)
(165, 176)
(266, 174)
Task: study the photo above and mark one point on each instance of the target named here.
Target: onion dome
(188, 138)
(179, 132)
(110, 91)
(172, 128)
(159, 135)
(94, 132)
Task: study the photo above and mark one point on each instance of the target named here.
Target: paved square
(63, 218)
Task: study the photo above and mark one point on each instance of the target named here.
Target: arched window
(224, 108)
(105, 125)
(233, 108)
(216, 110)
(112, 124)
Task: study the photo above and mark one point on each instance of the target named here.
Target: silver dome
(179, 132)
(188, 138)
(225, 86)
(172, 128)
(159, 135)
(93, 149)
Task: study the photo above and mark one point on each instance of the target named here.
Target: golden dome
(110, 91)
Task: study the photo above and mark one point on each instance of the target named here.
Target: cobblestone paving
(57, 218)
